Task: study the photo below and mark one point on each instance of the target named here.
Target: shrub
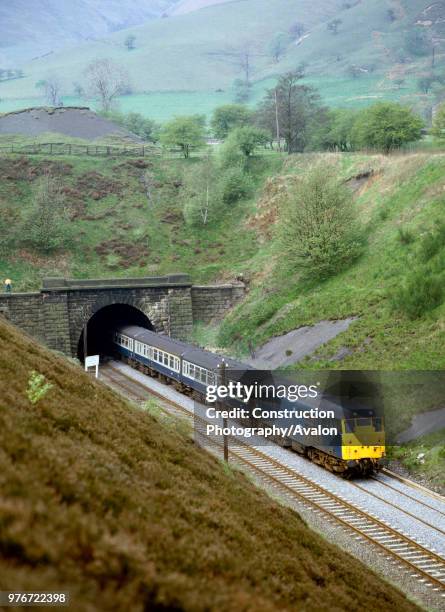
(248, 138)
(318, 227)
(386, 126)
(230, 155)
(38, 387)
(47, 227)
(235, 185)
(420, 293)
(406, 236)
(432, 243)
(201, 194)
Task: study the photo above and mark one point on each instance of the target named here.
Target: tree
(318, 229)
(226, 118)
(200, 193)
(185, 132)
(241, 57)
(47, 226)
(130, 42)
(438, 130)
(289, 111)
(334, 25)
(242, 91)
(142, 126)
(248, 138)
(278, 46)
(386, 126)
(51, 87)
(106, 81)
(335, 133)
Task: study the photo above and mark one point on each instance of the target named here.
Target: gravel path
(423, 424)
(293, 346)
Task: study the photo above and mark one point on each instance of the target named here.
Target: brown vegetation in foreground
(103, 500)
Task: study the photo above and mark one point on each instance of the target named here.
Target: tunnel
(103, 322)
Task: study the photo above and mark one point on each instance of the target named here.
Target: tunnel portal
(101, 325)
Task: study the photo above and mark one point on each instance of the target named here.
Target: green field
(162, 106)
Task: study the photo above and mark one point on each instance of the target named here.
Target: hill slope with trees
(355, 52)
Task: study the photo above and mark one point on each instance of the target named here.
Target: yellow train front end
(363, 444)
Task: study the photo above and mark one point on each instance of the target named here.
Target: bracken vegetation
(120, 508)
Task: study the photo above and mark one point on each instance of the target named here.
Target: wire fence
(61, 148)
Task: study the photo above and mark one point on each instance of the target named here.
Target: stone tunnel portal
(103, 322)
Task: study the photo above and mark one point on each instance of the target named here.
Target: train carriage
(356, 447)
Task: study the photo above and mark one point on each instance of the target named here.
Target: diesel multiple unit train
(358, 448)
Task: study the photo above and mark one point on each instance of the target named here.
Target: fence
(60, 148)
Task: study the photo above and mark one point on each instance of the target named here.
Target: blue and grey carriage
(356, 447)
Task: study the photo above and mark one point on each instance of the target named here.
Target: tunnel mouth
(103, 322)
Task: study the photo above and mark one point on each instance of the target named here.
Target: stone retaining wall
(211, 302)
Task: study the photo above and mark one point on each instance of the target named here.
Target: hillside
(393, 195)
(188, 6)
(118, 507)
(28, 30)
(172, 72)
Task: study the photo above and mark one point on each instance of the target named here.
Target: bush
(406, 236)
(200, 193)
(420, 293)
(248, 138)
(230, 155)
(318, 227)
(432, 243)
(47, 226)
(235, 185)
(386, 126)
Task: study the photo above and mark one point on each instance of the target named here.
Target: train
(356, 448)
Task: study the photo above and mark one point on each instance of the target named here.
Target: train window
(197, 373)
(364, 422)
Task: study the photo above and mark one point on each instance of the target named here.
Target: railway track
(422, 562)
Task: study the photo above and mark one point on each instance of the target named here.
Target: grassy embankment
(118, 507)
(118, 231)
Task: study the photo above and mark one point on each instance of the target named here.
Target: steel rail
(425, 562)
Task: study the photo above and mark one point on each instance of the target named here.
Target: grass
(117, 230)
(409, 190)
(104, 500)
(424, 457)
